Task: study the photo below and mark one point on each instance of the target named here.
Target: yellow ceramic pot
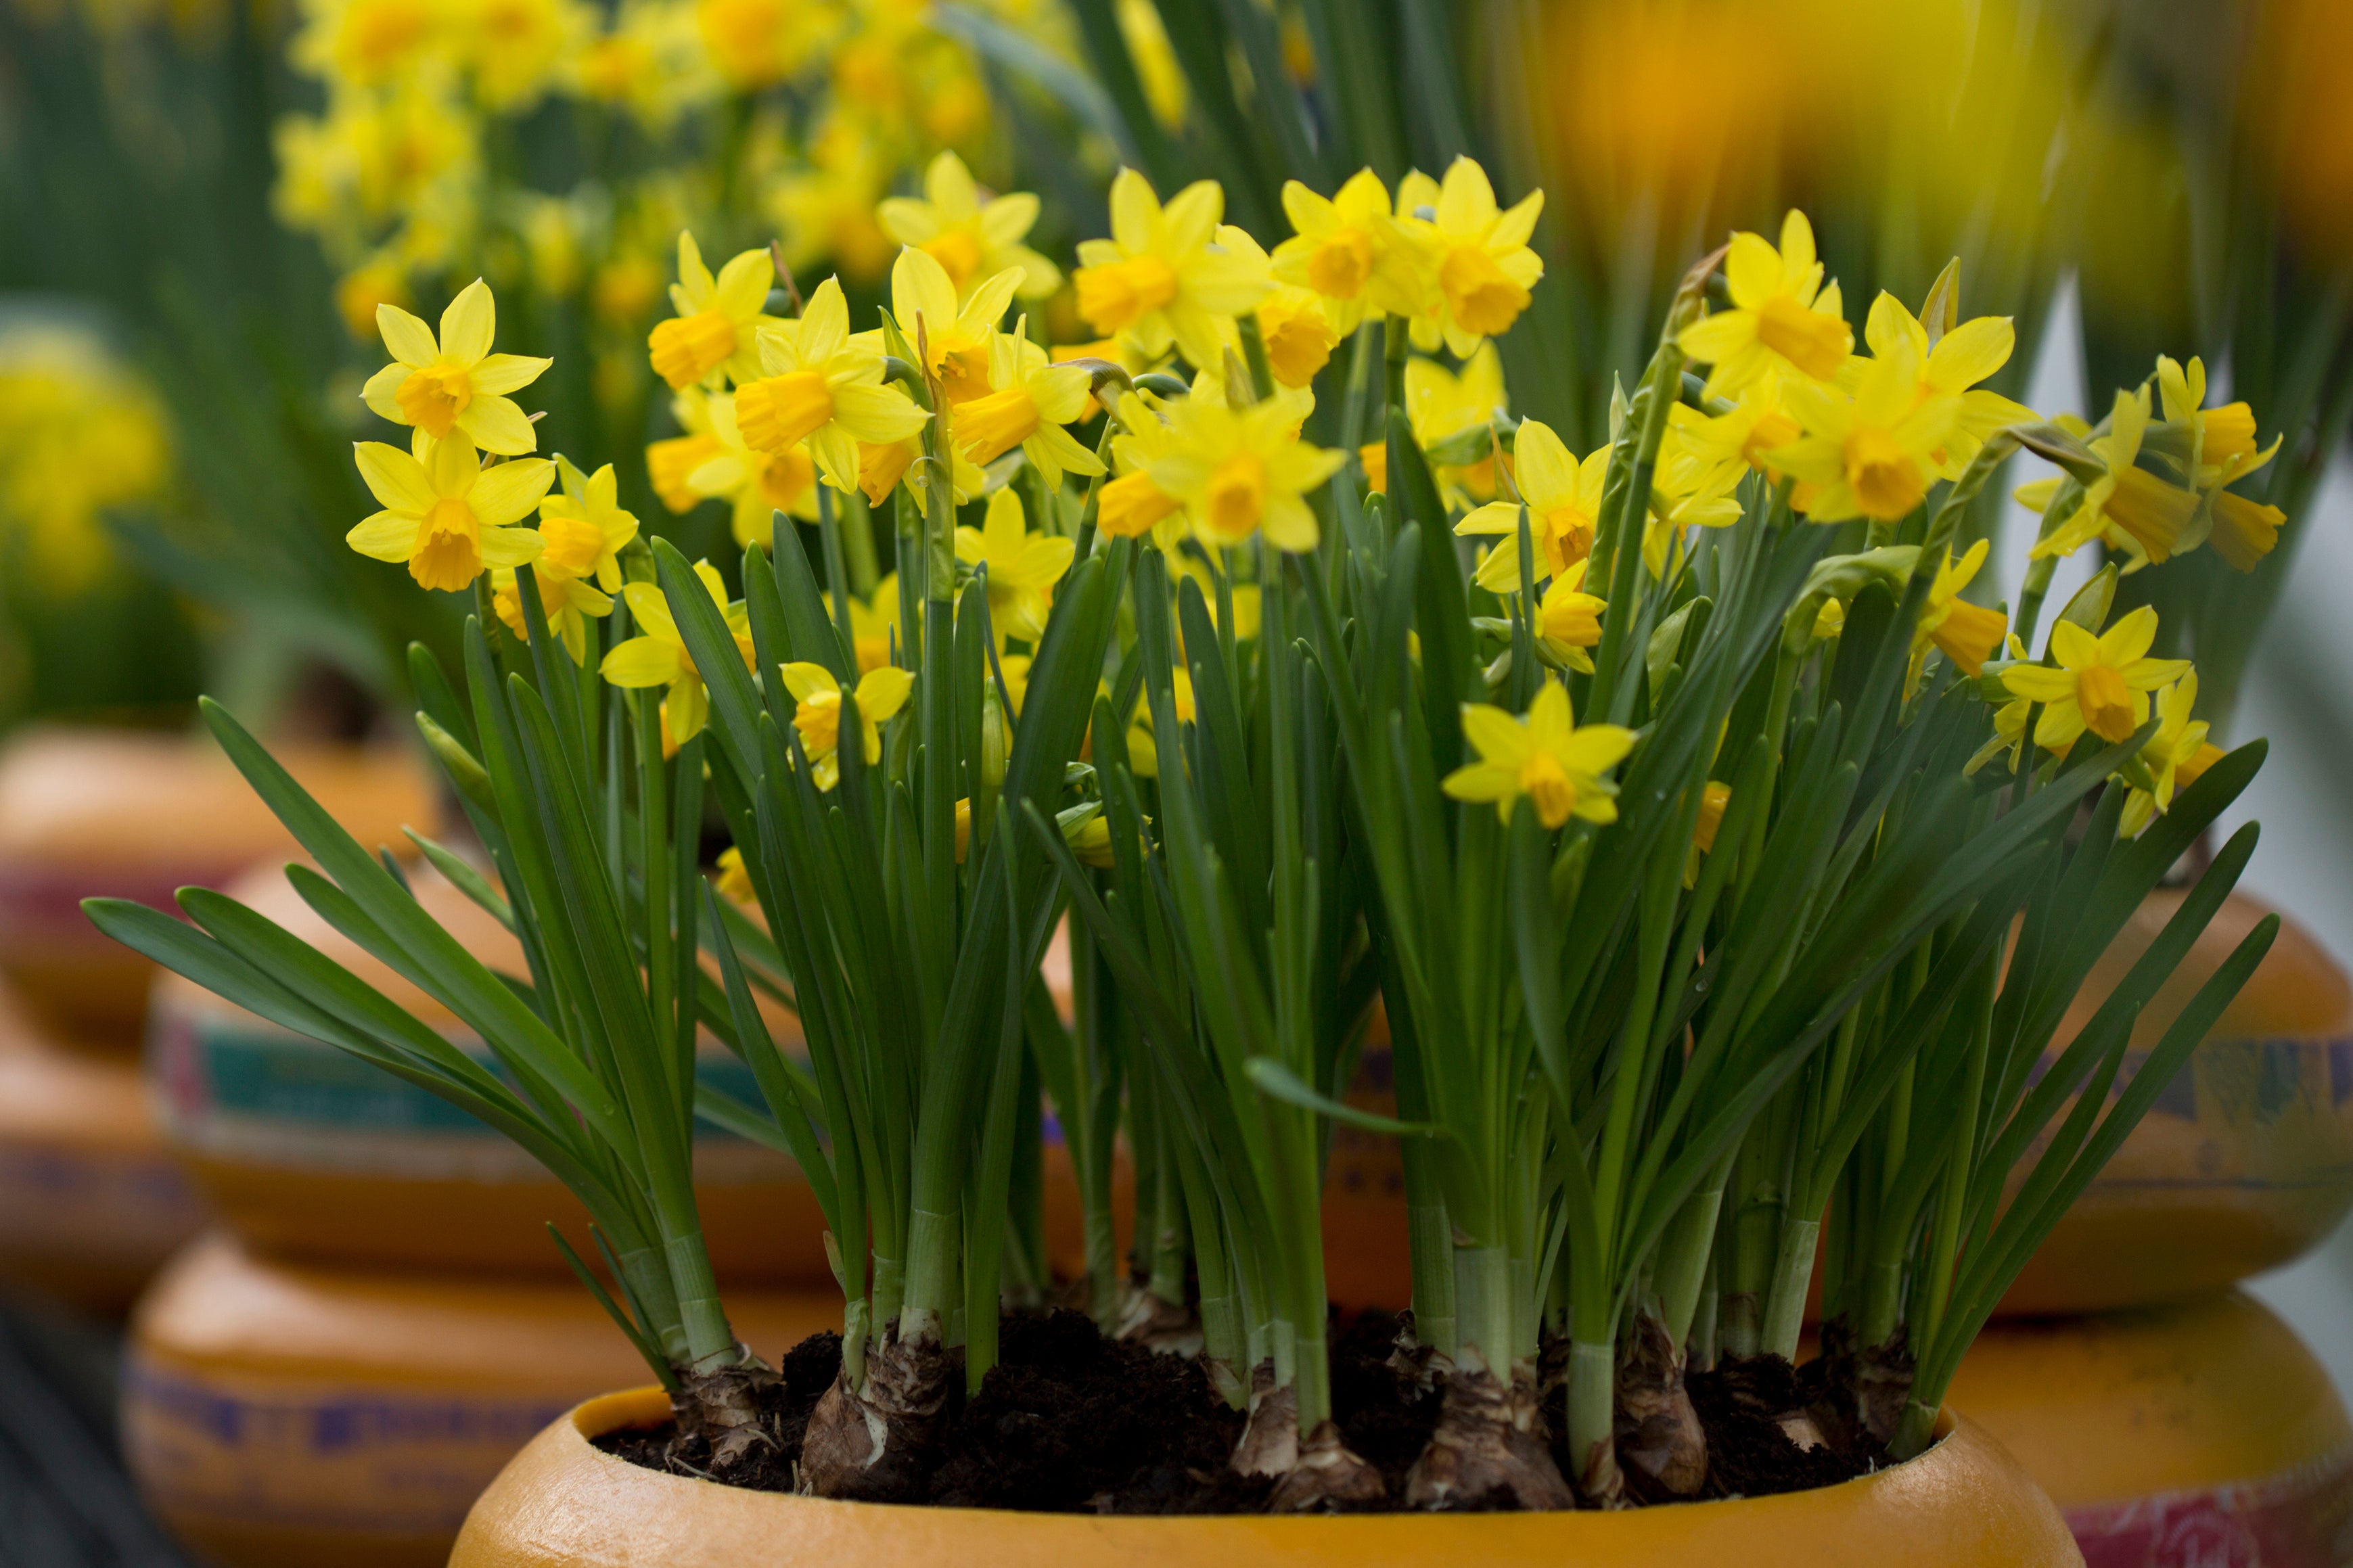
(309, 1152)
(136, 814)
(2246, 1160)
(90, 1202)
(277, 1415)
(2181, 1436)
(565, 1504)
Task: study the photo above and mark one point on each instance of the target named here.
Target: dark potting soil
(1069, 1421)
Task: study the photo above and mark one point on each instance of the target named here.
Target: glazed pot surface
(563, 1503)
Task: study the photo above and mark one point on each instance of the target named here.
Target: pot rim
(564, 1501)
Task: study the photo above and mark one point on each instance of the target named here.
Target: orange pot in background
(309, 1152)
(137, 815)
(91, 1201)
(565, 1504)
(2245, 1163)
(2198, 1436)
(280, 1416)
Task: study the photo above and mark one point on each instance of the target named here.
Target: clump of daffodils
(1267, 578)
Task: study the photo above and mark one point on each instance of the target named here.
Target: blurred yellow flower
(366, 43)
(717, 318)
(1440, 404)
(457, 383)
(444, 514)
(756, 44)
(1546, 756)
(1023, 567)
(80, 433)
(514, 47)
(872, 620)
(1160, 278)
(971, 240)
(1781, 316)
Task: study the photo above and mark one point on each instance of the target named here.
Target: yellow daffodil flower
(1028, 401)
(2223, 452)
(1346, 248)
(1239, 471)
(871, 622)
(1729, 445)
(1248, 609)
(1470, 257)
(1159, 277)
(2225, 436)
(2127, 505)
(718, 320)
(1712, 798)
(753, 482)
(817, 713)
(1687, 495)
(656, 656)
(1564, 500)
(971, 240)
(1871, 456)
(952, 329)
(1439, 403)
(585, 527)
(2174, 757)
(445, 514)
(1952, 368)
(1568, 619)
(455, 383)
(1965, 633)
(670, 464)
(2101, 684)
(1781, 316)
(564, 598)
(1545, 756)
(1132, 505)
(1292, 321)
(1023, 567)
(823, 390)
(733, 881)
